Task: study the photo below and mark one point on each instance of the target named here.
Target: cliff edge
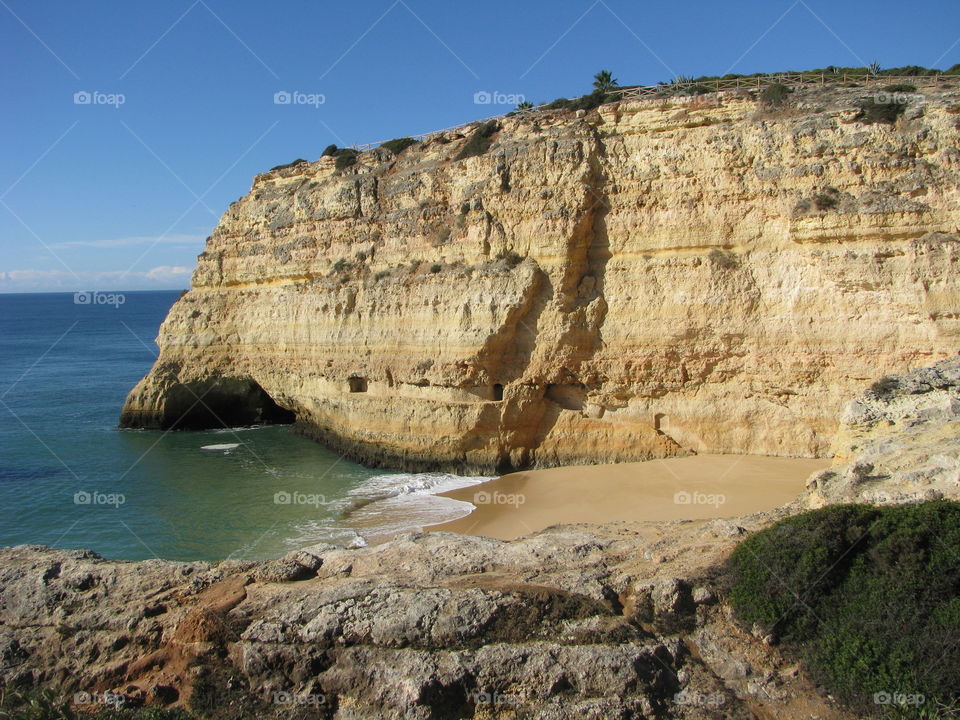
(646, 279)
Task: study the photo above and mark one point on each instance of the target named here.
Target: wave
(396, 484)
(389, 504)
(242, 428)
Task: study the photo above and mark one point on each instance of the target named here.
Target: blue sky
(111, 196)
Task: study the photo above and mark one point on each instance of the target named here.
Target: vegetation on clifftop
(868, 596)
(398, 145)
(480, 140)
(606, 88)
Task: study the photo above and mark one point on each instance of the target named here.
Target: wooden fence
(640, 92)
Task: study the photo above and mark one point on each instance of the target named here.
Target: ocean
(69, 478)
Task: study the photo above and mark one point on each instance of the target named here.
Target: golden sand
(696, 487)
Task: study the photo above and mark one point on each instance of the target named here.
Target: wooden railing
(760, 82)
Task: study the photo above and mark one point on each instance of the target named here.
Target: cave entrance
(223, 403)
(358, 384)
(498, 392)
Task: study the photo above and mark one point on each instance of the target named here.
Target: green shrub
(559, 104)
(345, 158)
(910, 71)
(584, 102)
(873, 112)
(724, 259)
(144, 713)
(289, 164)
(329, 150)
(381, 275)
(900, 88)
(775, 95)
(827, 200)
(511, 258)
(869, 597)
(590, 101)
(398, 145)
(884, 386)
(480, 141)
(341, 265)
(46, 705)
(436, 268)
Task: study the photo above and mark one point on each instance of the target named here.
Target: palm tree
(604, 81)
(525, 105)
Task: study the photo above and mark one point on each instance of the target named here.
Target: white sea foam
(386, 505)
(241, 428)
(401, 502)
(224, 446)
(397, 484)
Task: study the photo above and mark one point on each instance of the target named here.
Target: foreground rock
(617, 622)
(650, 279)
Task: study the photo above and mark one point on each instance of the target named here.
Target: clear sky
(111, 195)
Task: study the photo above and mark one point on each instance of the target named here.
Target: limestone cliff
(647, 279)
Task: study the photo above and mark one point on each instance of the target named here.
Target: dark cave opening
(223, 403)
(357, 384)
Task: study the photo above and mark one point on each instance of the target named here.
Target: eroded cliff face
(645, 280)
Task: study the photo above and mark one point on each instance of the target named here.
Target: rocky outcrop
(649, 279)
(898, 442)
(595, 622)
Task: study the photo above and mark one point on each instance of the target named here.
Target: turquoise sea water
(69, 478)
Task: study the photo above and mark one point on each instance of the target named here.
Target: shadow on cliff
(222, 402)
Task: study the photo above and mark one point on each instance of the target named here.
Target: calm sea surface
(69, 478)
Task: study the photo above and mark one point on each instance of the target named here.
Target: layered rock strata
(648, 279)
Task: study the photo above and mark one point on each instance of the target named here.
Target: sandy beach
(696, 487)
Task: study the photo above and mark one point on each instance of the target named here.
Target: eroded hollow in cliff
(224, 402)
